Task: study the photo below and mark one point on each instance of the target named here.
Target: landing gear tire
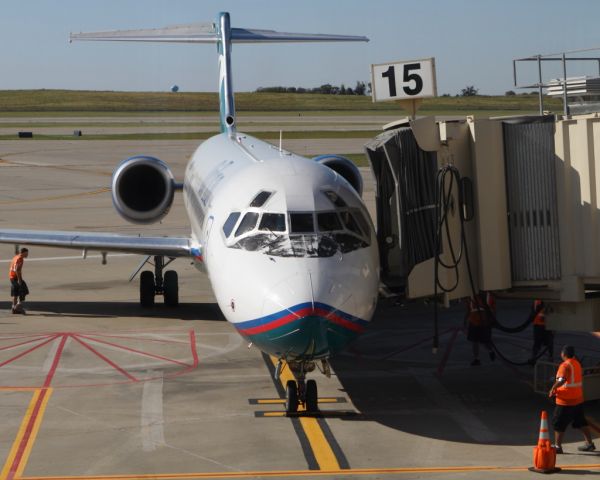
(312, 396)
(147, 289)
(171, 288)
(291, 397)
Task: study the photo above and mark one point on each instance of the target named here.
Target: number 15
(390, 74)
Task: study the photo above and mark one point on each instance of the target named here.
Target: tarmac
(92, 386)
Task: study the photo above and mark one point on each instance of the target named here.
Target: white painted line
(73, 257)
(152, 421)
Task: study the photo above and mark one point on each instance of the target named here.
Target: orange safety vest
(477, 312)
(571, 392)
(16, 263)
(540, 318)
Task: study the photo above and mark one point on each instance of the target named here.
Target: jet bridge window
(247, 223)
(230, 223)
(301, 223)
(272, 222)
(260, 199)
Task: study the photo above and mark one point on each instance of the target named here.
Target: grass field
(67, 102)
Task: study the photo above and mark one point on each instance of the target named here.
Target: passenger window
(247, 223)
(230, 223)
(350, 222)
(260, 199)
(274, 222)
(328, 222)
(301, 223)
(335, 198)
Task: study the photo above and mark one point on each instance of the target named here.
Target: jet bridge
(499, 204)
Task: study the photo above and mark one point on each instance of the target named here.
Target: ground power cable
(447, 177)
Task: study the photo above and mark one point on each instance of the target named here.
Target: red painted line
(54, 366)
(444, 360)
(106, 359)
(194, 351)
(133, 350)
(334, 318)
(137, 338)
(25, 440)
(20, 337)
(22, 343)
(22, 354)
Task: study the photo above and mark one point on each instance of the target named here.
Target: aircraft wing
(104, 242)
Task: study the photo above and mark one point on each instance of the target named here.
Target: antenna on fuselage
(224, 36)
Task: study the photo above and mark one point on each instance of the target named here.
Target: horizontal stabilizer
(207, 33)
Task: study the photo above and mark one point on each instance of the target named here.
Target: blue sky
(473, 41)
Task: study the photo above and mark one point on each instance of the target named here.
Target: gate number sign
(404, 80)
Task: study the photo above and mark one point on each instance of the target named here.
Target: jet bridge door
(532, 199)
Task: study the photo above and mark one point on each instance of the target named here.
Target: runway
(92, 386)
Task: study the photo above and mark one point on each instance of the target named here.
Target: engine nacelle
(345, 168)
(143, 189)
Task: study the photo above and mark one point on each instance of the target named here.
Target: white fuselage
(287, 244)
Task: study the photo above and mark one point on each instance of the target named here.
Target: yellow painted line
(311, 473)
(320, 446)
(34, 432)
(19, 389)
(281, 401)
(22, 433)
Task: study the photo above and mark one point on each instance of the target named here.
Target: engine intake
(345, 168)
(143, 189)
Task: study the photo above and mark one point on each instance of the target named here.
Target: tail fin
(223, 35)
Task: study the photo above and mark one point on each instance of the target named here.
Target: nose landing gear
(301, 391)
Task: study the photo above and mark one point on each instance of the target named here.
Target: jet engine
(142, 189)
(345, 168)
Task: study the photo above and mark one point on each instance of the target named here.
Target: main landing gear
(152, 284)
(301, 391)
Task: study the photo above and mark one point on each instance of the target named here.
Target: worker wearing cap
(18, 287)
(568, 393)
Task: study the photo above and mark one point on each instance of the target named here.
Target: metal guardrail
(544, 373)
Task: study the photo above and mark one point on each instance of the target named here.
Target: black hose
(519, 364)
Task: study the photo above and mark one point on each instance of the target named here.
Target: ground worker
(568, 390)
(479, 317)
(541, 336)
(18, 287)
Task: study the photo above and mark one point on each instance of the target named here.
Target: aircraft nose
(315, 316)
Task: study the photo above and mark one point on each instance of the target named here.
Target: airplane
(286, 241)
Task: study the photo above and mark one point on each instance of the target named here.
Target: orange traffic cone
(544, 454)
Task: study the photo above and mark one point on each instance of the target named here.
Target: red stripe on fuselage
(302, 313)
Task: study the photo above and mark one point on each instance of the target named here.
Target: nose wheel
(153, 283)
(301, 392)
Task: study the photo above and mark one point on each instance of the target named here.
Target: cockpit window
(260, 199)
(272, 222)
(350, 222)
(335, 198)
(230, 223)
(363, 223)
(329, 222)
(301, 223)
(247, 223)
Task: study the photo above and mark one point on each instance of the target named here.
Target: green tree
(469, 91)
